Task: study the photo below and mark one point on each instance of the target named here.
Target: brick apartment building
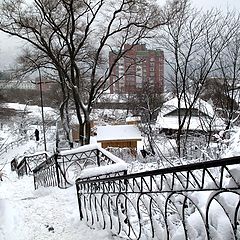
(138, 67)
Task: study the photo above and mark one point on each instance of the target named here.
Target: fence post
(79, 202)
(98, 157)
(34, 181)
(25, 165)
(56, 166)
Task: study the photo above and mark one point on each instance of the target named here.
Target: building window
(139, 85)
(152, 74)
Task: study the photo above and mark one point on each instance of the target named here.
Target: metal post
(57, 167)
(79, 200)
(98, 157)
(41, 99)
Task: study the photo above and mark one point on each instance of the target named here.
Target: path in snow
(46, 213)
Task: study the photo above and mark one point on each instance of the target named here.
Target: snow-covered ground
(46, 213)
(52, 213)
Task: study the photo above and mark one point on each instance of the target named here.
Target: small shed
(121, 136)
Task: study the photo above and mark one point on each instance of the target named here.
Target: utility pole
(41, 101)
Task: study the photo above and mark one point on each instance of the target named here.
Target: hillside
(46, 213)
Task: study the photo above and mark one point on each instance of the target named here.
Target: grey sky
(10, 47)
(221, 4)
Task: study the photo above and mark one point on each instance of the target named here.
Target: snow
(131, 119)
(37, 153)
(122, 98)
(200, 104)
(232, 144)
(91, 147)
(79, 149)
(52, 213)
(32, 109)
(46, 213)
(102, 170)
(207, 122)
(196, 123)
(110, 155)
(118, 132)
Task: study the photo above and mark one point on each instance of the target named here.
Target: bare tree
(193, 44)
(147, 103)
(229, 65)
(74, 38)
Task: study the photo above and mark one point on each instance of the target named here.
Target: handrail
(181, 168)
(70, 163)
(46, 174)
(161, 204)
(28, 163)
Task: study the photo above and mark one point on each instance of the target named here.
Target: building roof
(196, 123)
(200, 105)
(133, 119)
(206, 122)
(118, 132)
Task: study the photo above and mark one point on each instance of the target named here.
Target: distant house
(202, 119)
(118, 136)
(16, 84)
(133, 120)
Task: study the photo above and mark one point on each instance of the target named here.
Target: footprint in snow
(50, 228)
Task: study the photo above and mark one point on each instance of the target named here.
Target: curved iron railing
(28, 163)
(196, 201)
(47, 174)
(64, 167)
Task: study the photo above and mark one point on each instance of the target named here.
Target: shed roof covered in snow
(118, 132)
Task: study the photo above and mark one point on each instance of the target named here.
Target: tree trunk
(87, 131)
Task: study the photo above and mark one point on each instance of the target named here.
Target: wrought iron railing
(28, 163)
(47, 174)
(64, 167)
(23, 168)
(196, 201)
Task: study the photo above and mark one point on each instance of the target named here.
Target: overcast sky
(9, 47)
(222, 4)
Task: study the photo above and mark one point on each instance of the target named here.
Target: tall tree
(193, 44)
(229, 76)
(74, 38)
(147, 103)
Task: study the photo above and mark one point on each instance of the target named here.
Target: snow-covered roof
(166, 121)
(118, 132)
(133, 119)
(113, 97)
(200, 105)
(196, 123)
